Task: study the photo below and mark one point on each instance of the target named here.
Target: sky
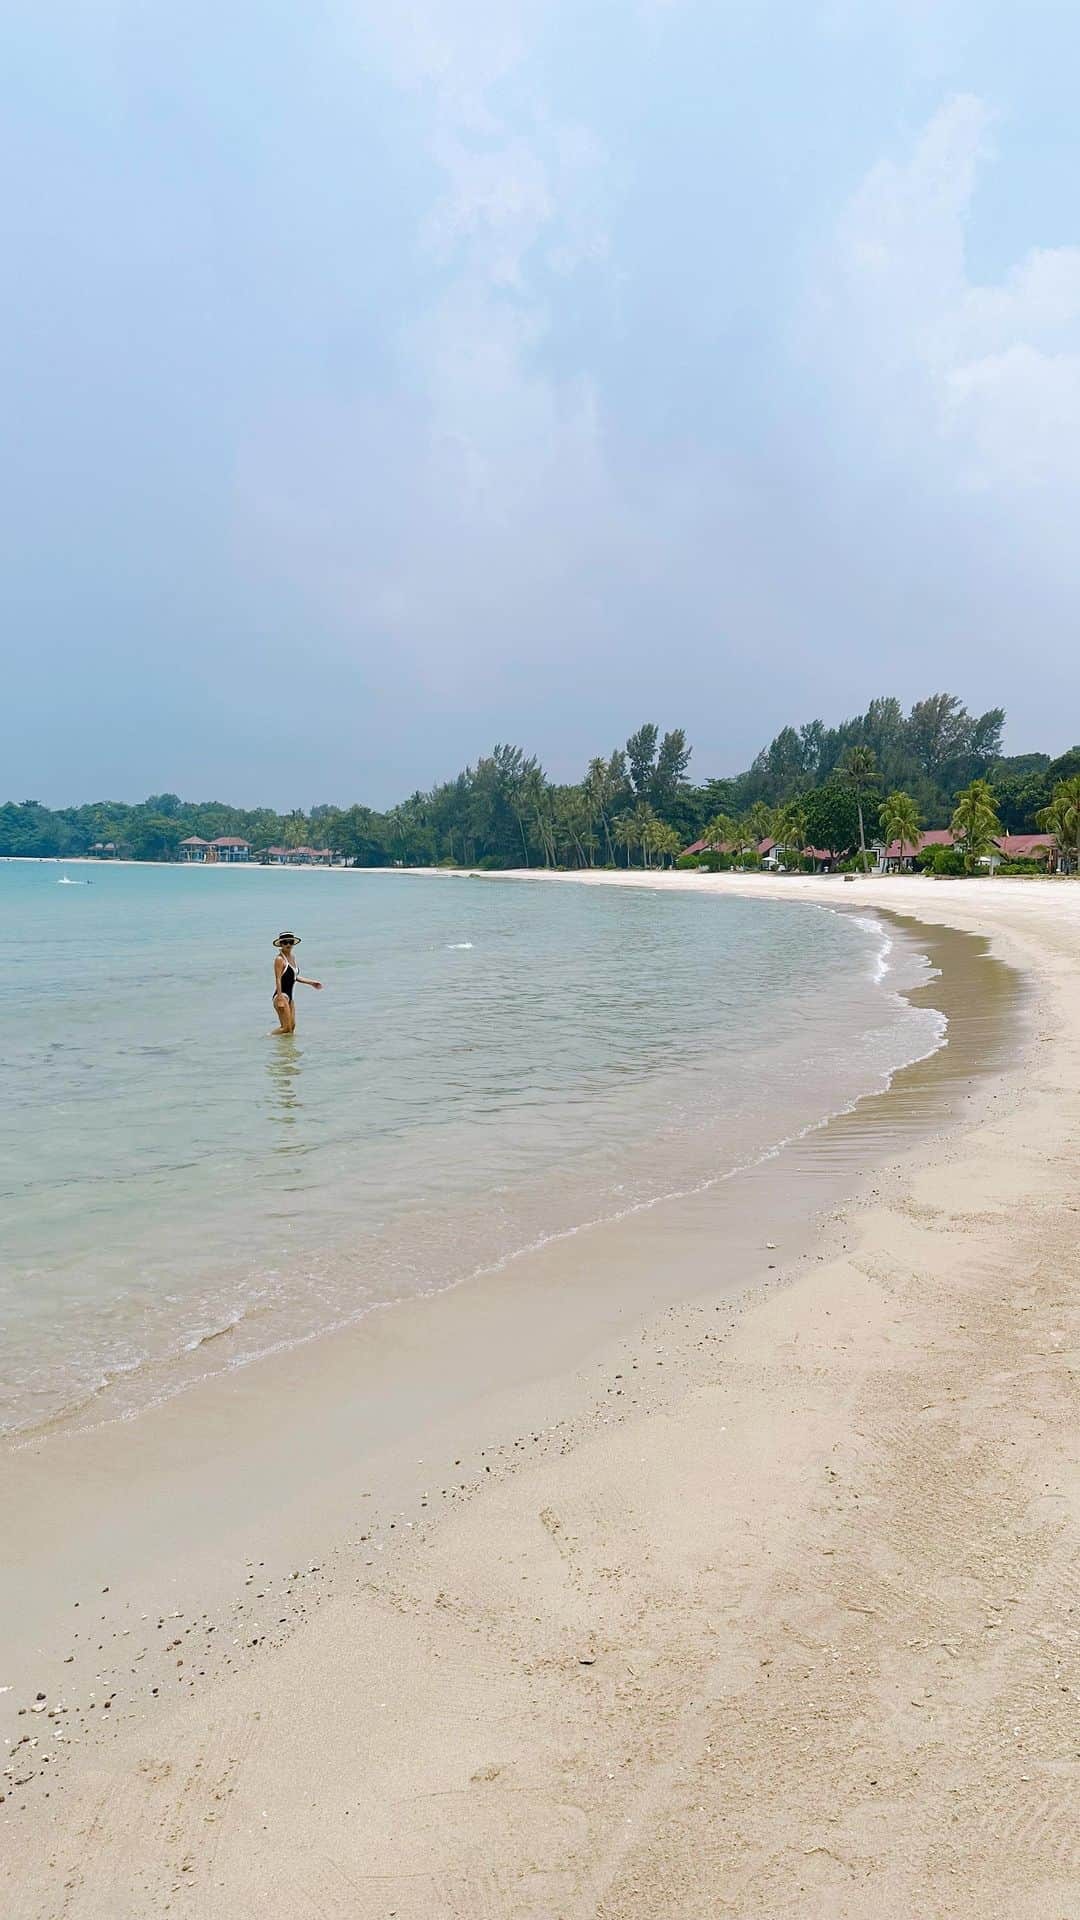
(382, 382)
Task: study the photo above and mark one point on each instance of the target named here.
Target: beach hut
(193, 848)
(228, 849)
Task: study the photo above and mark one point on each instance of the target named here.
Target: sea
(492, 1063)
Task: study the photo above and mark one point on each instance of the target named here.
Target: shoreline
(621, 1481)
(581, 1288)
(165, 1374)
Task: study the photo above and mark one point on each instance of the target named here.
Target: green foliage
(633, 806)
(791, 832)
(899, 818)
(929, 753)
(975, 823)
(859, 771)
(641, 759)
(944, 860)
(721, 831)
(832, 818)
(1062, 819)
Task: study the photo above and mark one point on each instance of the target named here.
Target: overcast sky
(382, 380)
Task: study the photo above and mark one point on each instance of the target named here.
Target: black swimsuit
(288, 977)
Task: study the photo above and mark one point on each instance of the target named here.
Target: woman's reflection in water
(285, 1103)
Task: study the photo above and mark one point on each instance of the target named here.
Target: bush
(688, 863)
(945, 862)
(749, 861)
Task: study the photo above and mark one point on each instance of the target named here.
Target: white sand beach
(563, 1608)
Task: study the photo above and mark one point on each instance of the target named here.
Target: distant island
(884, 777)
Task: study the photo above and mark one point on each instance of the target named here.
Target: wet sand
(600, 1594)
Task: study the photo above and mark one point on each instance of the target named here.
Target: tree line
(635, 805)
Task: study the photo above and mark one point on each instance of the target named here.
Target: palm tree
(665, 841)
(899, 817)
(745, 837)
(626, 833)
(720, 832)
(975, 822)
(859, 772)
(761, 820)
(789, 827)
(599, 793)
(644, 820)
(1062, 819)
(652, 840)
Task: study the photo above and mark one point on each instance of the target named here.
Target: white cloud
(978, 385)
(508, 476)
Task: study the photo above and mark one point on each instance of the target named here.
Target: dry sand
(775, 1613)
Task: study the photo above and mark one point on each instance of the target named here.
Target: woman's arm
(301, 982)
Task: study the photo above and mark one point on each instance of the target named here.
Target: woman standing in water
(286, 977)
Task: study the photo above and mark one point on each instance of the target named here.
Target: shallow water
(491, 1064)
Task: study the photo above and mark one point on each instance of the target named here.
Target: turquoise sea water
(491, 1063)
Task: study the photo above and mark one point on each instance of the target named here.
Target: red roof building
(1027, 846)
(820, 855)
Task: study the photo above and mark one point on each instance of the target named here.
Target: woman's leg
(292, 1016)
(283, 1009)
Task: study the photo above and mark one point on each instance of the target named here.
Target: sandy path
(804, 1640)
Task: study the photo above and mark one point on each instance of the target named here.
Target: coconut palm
(899, 817)
(745, 836)
(668, 843)
(633, 830)
(859, 771)
(975, 823)
(789, 827)
(1062, 819)
(661, 841)
(599, 790)
(720, 832)
(626, 833)
(644, 820)
(761, 820)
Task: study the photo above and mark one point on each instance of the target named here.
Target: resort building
(896, 858)
(193, 848)
(296, 856)
(1010, 846)
(229, 849)
(770, 853)
(1029, 846)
